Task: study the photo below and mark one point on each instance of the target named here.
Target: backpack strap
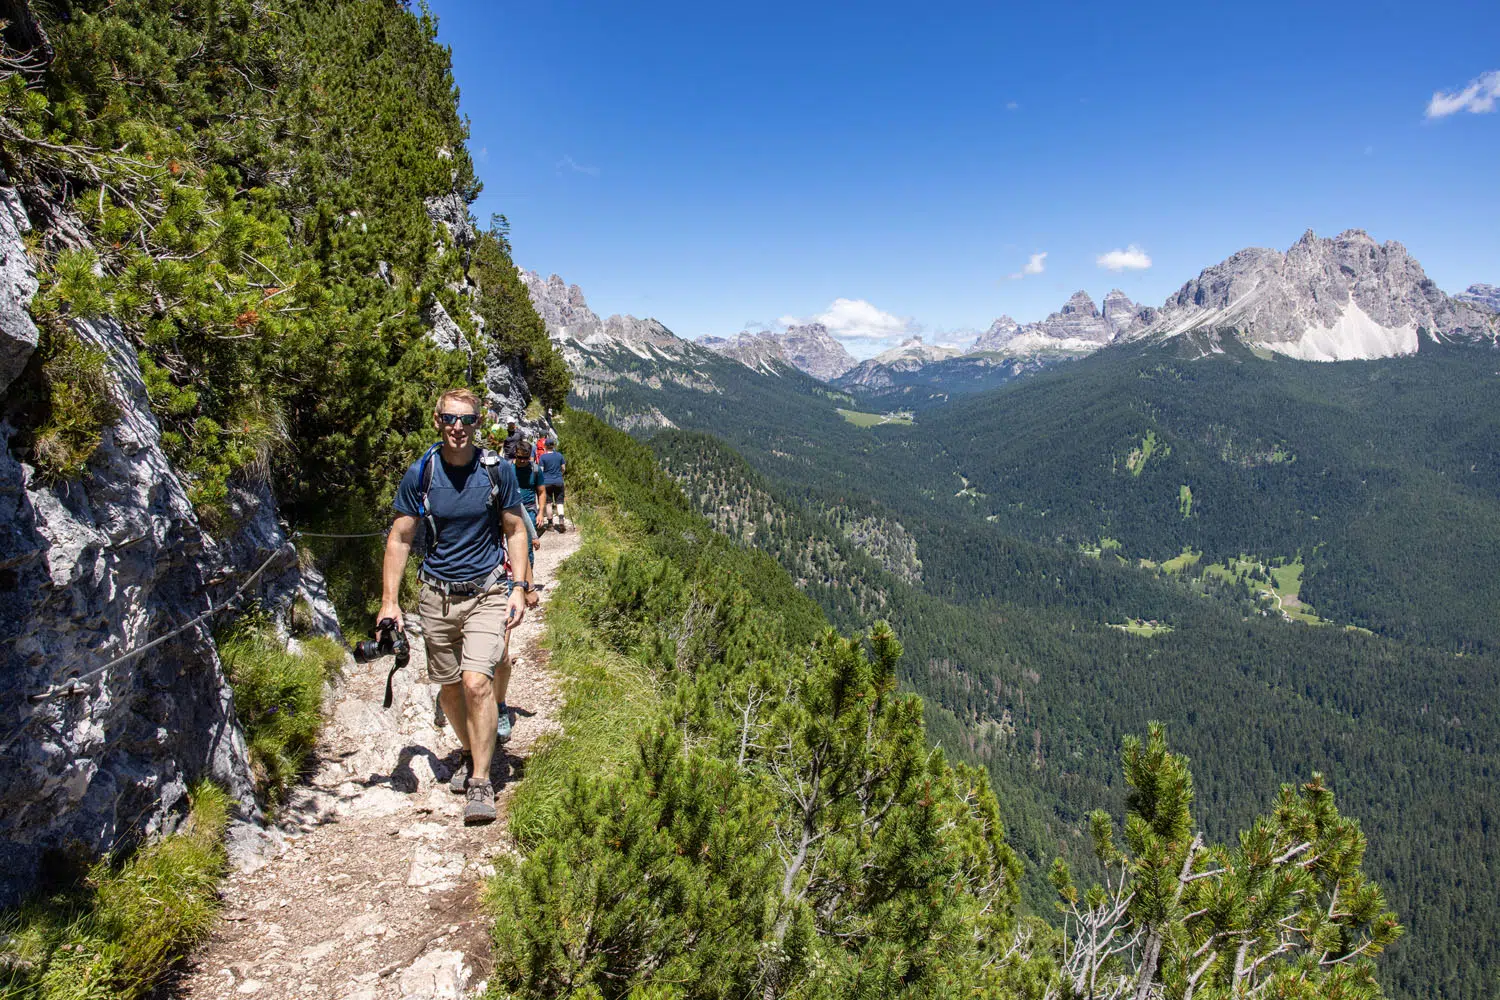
(424, 487)
(491, 464)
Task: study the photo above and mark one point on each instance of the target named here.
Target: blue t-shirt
(467, 546)
(552, 466)
(529, 477)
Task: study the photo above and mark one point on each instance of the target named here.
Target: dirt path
(376, 893)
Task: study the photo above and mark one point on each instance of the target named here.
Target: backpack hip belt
(465, 588)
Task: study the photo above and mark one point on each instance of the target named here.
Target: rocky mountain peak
(809, 347)
(1484, 296)
(1079, 304)
(1323, 300)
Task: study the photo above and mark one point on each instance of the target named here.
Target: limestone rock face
(812, 349)
(755, 349)
(1000, 333)
(562, 307)
(1324, 299)
(96, 568)
(451, 211)
(18, 334)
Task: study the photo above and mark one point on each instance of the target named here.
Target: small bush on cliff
(74, 404)
(113, 936)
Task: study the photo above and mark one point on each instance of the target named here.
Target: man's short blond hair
(458, 395)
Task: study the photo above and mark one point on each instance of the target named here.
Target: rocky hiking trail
(369, 888)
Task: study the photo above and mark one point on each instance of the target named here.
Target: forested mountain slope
(1010, 642)
(739, 805)
(1384, 475)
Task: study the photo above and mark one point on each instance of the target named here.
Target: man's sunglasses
(467, 419)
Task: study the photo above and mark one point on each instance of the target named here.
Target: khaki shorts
(463, 632)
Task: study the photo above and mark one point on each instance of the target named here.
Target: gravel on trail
(369, 886)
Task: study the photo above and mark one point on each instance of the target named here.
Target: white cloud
(859, 322)
(1011, 105)
(1478, 97)
(1132, 258)
(1035, 265)
(568, 163)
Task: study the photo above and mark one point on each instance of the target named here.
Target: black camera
(388, 640)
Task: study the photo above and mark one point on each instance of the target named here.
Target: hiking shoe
(459, 780)
(562, 526)
(481, 805)
(503, 724)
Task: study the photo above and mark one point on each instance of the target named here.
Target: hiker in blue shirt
(474, 584)
(529, 479)
(554, 465)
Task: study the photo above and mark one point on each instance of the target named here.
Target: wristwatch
(525, 587)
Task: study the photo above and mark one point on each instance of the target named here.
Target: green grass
(606, 694)
(1185, 500)
(1179, 563)
(861, 419)
(278, 696)
(114, 934)
(1277, 581)
(1136, 462)
(1138, 626)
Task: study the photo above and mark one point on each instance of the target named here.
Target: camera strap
(390, 679)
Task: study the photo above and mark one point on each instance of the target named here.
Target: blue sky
(726, 166)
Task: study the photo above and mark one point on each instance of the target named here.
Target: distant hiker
(514, 441)
(529, 479)
(554, 465)
(471, 597)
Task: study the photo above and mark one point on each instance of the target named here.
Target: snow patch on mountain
(1355, 335)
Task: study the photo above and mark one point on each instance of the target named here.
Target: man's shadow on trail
(506, 766)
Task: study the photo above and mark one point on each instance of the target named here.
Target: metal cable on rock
(80, 685)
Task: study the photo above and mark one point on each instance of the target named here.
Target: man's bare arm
(397, 549)
(518, 549)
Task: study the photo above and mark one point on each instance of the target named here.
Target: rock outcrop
(102, 732)
(1487, 296)
(1000, 333)
(1323, 299)
(18, 334)
(808, 347)
(1077, 328)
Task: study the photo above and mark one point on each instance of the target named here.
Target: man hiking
(472, 509)
(514, 442)
(553, 467)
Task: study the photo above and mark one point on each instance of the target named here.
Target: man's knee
(477, 685)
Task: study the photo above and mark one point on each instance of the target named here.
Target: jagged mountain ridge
(808, 347)
(1079, 326)
(883, 370)
(1323, 299)
(1337, 299)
